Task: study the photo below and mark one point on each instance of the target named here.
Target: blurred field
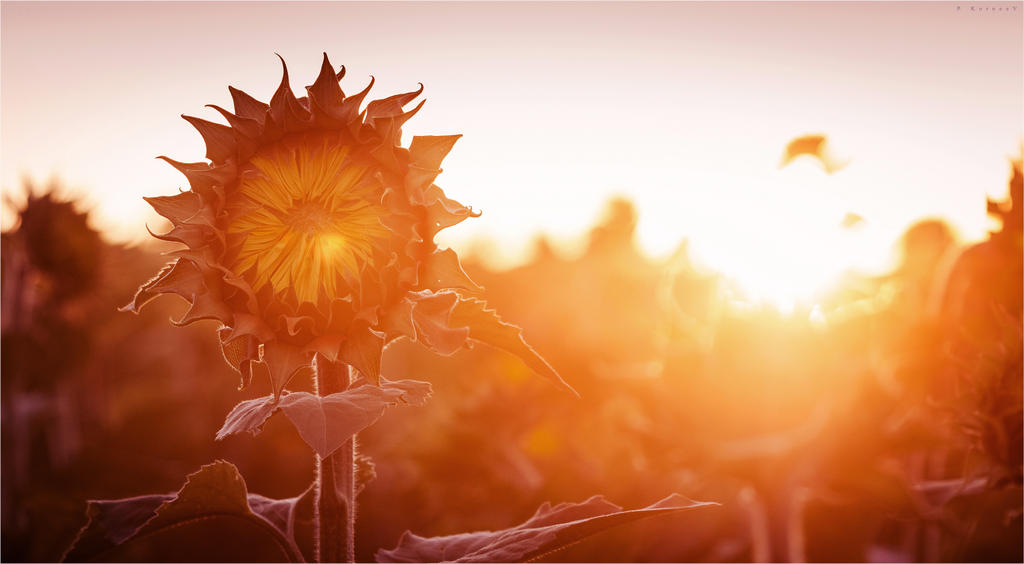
(883, 425)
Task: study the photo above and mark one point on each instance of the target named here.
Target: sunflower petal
(248, 325)
(246, 129)
(427, 151)
(396, 321)
(389, 128)
(362, 351)
(145, 293)
(417, 180)
(430, 315)
(248, 107)
(193, 236)
(392, 105)
(240, 352)
(205, 306)
(326, 94)
(348, 112)
(284, 107)
(183, 278)
(220, 140)
(442, 270)
(203, 178)
(296, 323)
(177, 208)
(283, 361)
(328, 345)
(444, 212)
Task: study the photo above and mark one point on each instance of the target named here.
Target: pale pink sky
(684, 107)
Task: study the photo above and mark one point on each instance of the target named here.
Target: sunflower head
(59, 242)
(311, 230)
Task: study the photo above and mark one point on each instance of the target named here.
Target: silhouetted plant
(309, 237)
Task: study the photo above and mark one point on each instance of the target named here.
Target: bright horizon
(684, 108)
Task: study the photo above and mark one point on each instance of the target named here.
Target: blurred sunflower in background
(310, 231)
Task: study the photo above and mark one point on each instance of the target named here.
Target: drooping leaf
(111, 522)
(209, 519)
(550, 529)
(487, 327)
(292, 516)
(327, 422)
(249, 415)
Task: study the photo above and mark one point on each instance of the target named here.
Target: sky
(683, 107)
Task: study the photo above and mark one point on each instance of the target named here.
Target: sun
(784, 245)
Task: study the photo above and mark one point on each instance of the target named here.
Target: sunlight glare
(783, 244)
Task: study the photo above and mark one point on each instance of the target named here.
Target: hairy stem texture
(335, 501)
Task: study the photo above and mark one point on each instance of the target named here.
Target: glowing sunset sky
(683, 107)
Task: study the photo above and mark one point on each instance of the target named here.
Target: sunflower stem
(334, 513)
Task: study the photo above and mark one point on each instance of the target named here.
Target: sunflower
(310, 230)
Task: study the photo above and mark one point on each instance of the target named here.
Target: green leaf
(209, 519)
(550, 529)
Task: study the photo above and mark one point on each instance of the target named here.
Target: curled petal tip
(284, 71)
(417, 92)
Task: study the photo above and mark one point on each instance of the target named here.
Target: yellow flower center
(309, 216)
